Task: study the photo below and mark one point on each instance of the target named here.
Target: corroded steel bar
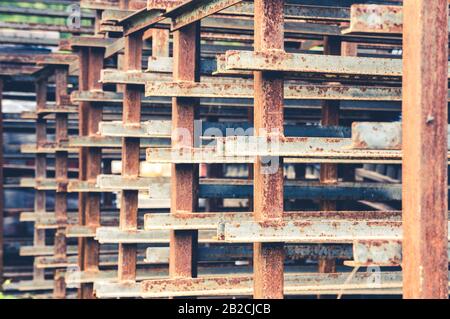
(40, 171)
(91, 62)
(183, 244)
(318, 231)
(193, 11)
(268, 198)
(375, 19)
(425, 119)
(130, 157)
(214, 220)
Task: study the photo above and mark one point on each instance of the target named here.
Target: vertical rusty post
(61, 161)
(130, 157)
(1, 186)
(90, 115)
(184, 197)
(268, 259)
(425, 118)
(40, 171)
(329, 172)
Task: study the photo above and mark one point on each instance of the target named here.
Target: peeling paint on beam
(311, 231)
(113, 76)
(181, 221)
(375, 19)
(113, 235)
(192, 156)
(140, 20)
(216, 253)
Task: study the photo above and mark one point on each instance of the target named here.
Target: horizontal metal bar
(298, 62)
(192, 155)
(74, 278)
(115, 15)
(145, 169)
(111, 289)
(291, 91)
(78, 186)
(84, 41)
(146, 202)
(60, 109)
(49, 148)
(44, 250)
(273, 145)
(140, 20)
(227, 253)
(41, 184)
(336, 231)
(155, 128)
(163, 4)
(242, 188)
(375, 19)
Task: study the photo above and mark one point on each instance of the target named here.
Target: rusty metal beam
(130, 157)
(1, 187)
(329, 172)
(425, 119)
(40, 171)
(193, 11)
(269, 60)
(61, 171)
(91, 62)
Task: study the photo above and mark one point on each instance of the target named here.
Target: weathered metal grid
(189, 230)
